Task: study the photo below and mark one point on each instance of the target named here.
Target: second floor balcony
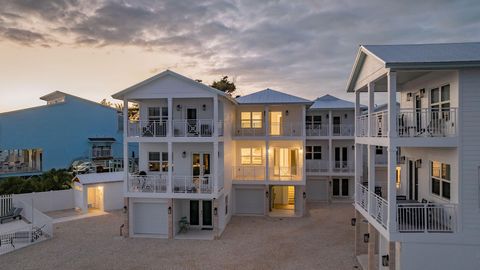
(323, 130)
(319, 167)
(428, 122)
(259, 173)
(176, 128)
(275, 129)
(159, 183)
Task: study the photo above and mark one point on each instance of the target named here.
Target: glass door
(192, 121)
(207, 214)
(194, 213)
(336, 125)
(275, 123)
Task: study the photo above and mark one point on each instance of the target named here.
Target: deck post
(371, 175)
(371, 107)
(392, 104)
(170, 167)
(392, 192)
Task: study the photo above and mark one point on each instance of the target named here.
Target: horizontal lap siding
(470, 143)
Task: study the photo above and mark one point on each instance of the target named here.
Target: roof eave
(432, 65)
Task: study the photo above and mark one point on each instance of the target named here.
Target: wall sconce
(353, 221)
(409, 96)
(422, 93)
(366, 237)
(179, 107)
(345, 116)
(215, 211)
(184, 154)
(266, 194)
(125, 209)
(401, 160)
(204, 107)
(353, 146)
(286, 112)
(418, 163)
(385, 260)
(304, 195)
(169, 210)
(328, 115)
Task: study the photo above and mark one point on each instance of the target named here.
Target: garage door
(317, 190)
(150, 218)
(249, 201)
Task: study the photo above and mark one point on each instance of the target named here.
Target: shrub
(51, 180)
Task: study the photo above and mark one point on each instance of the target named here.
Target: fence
(6, 204)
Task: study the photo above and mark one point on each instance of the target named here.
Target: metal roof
(331, 102)
(440, 53)
(96, 178)
(269, 96)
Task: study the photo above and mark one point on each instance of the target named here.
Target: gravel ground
(322, 240)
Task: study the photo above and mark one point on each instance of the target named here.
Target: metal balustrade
(317, 166)
(147, 128)
(318, 130)
(192, 184)
(249, 173)
(292, 173)
(379, 209)
(193, 128)
(426, 217)
(147, 183)
(343, 130)
(343, 166)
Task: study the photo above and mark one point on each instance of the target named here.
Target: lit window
(251, 156)
(251, 119)
(158, 161)
(440, 175)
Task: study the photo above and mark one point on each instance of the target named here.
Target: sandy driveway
(322, 240)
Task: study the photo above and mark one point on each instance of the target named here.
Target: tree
(225, 85)
(133, 108)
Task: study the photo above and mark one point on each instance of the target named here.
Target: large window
(313, 152)
(251, 156)
(440, 175)
(313, 121)
(340, 187)
(158, 161)
(157, 114)
(440, 98)
(251, 119)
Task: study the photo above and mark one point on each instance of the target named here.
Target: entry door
(336, 125)
(285, 161)
(201, 213)
(201, 170)
(412, 181)
(192, 120)
(275, 123)
(340, 187)
(341, 157)
(207, 214)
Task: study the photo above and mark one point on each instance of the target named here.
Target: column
(215, 116)
(359, 245)
(371, 107)
(216, 229)
(358, 167)
(357, 109)
(371, 175)
(371, 247)
(267, 144)
(125, 146)
(392, 193)
(330, 144)
(215, 166)
(392, 104)
(170, 167)
(170, 219)
(170, 117)
(126, 219)
(391, 255)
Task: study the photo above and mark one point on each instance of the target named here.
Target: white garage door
(249, 201)
(150, 218)
(317, 190)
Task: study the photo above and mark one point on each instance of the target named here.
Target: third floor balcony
(176, 128)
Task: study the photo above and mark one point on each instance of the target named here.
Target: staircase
(291, 195)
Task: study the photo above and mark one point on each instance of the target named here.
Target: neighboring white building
(428, 217)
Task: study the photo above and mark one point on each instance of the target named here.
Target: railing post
(392, 103)
(425, 214)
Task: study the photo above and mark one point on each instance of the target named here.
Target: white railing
(254, 173)
(193, 128)
(147, 128)
(35, 217)
(379, 209)
(426, 217)
(101, 153)
(221, 128)
(192, 184)
(147, 183)
(343, 130)
(379, 124)
(343, 166)
(239, 131)
(317, 130)
(361, 128)
(292, 173)
(361, 196)
(427, 122)
(6, 204)
(317, 166)
(286, 129)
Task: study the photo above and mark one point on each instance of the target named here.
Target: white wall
(113, 196)
(49, 200)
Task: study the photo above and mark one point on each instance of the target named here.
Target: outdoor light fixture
(353, 221)
(422, 93)
(385, 260)
(125, 209)
(266, 194)
(204, 107)
(409, 96)
(184, 154)
(353, 146)
(286, 112)
(346, 116)
(169, 210)
(215, 211)
(304, 195)
(366, 237)
(179, 107)
(418, 163)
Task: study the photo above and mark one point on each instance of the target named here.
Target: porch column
(170, 219)
(126, 221)
(371, 106)
(267, 143)
(216, 229)
(215, 116)
(392, 193)
(330, 144)
(392, 104)
(358, 167)
(170, 167)
(215, 166)
(371, 174)
(391, 255)
(267, 120)
(358, 234)
(330, 124)
(170, 117)
(357, 109)
(304, 124)
(371, 246)
(125, 146)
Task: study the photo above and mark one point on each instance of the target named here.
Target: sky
(95, 48)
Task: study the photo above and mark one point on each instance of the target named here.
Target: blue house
(52, 136)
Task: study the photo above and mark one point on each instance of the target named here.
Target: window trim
(250, 121)
(162, 164)
(251, 156)
(312, 152)
(441, 181)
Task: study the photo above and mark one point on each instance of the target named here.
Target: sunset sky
(95, 48)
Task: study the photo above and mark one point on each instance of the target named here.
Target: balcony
(317, 130)
(343, 166)
(181, 128)
(147, 183)
(317, 167)
(249, 173)
(410, 123)
(292, 173)
(192, 184)
(287, 129)
(343, 130)
(412, 217)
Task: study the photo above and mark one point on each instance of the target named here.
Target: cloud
(305, 47)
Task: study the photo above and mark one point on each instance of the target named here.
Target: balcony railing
(292, 173)
(147, 183)
(286, 129)
(192, 184)
(429, 122)
(147, 128)
(317, 130)
(193, 128)
(343, 130)
(254, 173)
(243, 131)
(361, 196)
(317, 166)
(343, 166)
(379, 209)
(101, 153)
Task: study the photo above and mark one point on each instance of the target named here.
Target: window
(440, 174)
(313, 121)
(440, 98)
(251, 156)
(101, 151)
(158, 161)
(313, 152)
(251, 119)
(379, 150)
(157, 114)
(340, 187)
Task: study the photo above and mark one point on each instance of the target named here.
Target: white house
(429, 215)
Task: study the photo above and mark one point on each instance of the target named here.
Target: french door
(412, 181)
(285, 161)
(192, 121)
(275, 123)
(201, 169)
(341, 157)
(340, 187)
(336, 125)
(201, 213)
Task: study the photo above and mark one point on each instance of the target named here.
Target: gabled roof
(96, 178)
(121, 94)
(269, 96)
(418, 57)
(331, 102)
